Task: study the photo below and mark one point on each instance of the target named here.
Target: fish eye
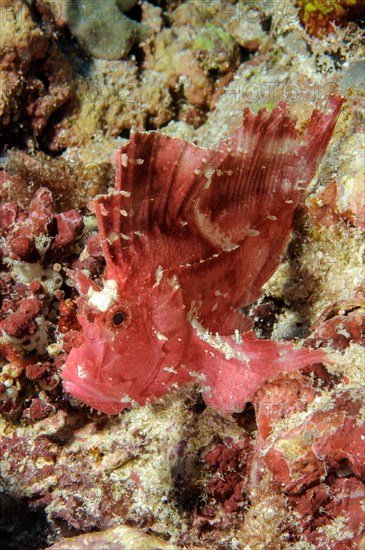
(119, 318)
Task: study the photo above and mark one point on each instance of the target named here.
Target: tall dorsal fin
(218, 219)
(158, 178)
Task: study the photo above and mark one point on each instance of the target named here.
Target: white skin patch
(103, 299)
(80, 372)
(216, 341)
(170, 369)
(212, 231)
(126, 399)
(252, 233)
(158, 275)
(161, 337)
(112, 237)
(103, 210)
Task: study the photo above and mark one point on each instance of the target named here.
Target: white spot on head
(272, 218)
(103, 299)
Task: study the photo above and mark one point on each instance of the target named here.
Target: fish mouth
(92, 396)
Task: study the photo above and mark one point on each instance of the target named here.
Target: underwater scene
(182, 283)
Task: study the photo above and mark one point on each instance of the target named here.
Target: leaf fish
(190, 235)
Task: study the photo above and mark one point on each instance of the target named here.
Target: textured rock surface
(101, 27)
(119, 538)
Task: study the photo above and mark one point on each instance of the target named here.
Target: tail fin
(231, 383)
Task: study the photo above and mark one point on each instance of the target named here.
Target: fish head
(131, 340)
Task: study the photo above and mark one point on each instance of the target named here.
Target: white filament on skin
(103, 299)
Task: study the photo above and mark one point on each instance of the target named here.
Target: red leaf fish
(189, 236)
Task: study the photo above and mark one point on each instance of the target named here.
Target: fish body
(190, 235)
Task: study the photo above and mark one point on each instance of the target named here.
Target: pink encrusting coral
(189, 236)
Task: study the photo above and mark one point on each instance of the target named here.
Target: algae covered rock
(215, 49)
(101, 28)
(322, 16)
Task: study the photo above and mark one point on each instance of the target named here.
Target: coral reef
(36, 79)
(285, 473)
